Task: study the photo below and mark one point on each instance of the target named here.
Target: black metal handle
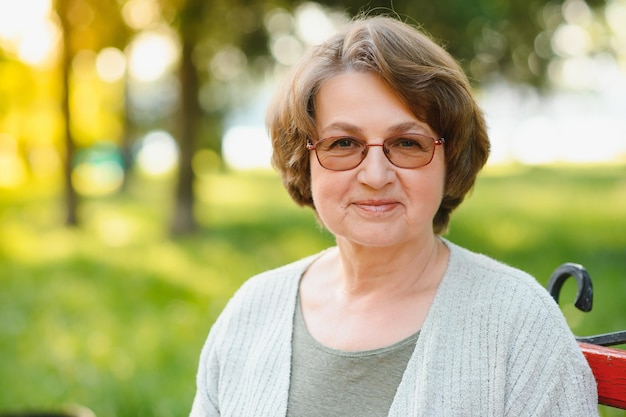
(583, 301)
(584, 296)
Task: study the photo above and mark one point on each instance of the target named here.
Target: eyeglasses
(342, 153)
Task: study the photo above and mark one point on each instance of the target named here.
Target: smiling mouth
(377, 206)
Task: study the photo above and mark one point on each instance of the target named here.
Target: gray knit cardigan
(494, 343)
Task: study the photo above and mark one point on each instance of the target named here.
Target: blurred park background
(136, 193)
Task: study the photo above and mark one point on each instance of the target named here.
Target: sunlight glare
(577, 12)
(27, 30)
(577, 72)
(17, 18)
(557, 138)
(37, 46)
(314, 24)
(247, 147)
(279, 21)
(615, 14)
(286, 49)
(140, 14)
(152, 55)
(535, 141)
(158, 153)
(571, 40)
(111, 64)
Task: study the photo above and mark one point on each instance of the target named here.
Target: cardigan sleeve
(205, 403)
(550, 375)
(494, 343)
(245, 363)
(564, 387)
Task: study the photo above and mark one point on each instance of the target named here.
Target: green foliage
(491, 38)
(94, 24)
(113, 315)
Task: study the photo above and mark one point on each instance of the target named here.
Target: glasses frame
(313, 147)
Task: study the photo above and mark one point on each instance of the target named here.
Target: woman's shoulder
(492, 281)
(269, 289)
(483, 292)
(488, 270)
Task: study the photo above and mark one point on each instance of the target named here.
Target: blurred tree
(491, 38)
(71, 196)
(189, 27)
(217, 39)
(85, 25)
(222, 42)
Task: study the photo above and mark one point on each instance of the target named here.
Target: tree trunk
(189, 120)
(127, 135)
(71, 197)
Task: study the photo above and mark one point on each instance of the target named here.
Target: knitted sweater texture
(494, 343)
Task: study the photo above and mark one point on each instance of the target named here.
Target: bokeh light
(140, 14)
(37, 47)
(247, 147)
(314, 24)
(228, 64)
(17, 18)
(152, 54)
(98, 170)
(157, 154)
(111, 64)
(286, 49)
(291, 34)
(571, 40)
(26, 29)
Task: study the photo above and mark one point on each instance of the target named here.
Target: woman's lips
(376, 206)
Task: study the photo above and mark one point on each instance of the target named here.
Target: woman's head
(420, 72)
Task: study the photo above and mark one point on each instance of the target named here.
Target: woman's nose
(376, 171)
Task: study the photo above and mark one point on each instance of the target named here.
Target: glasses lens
(410, 150)
(340, 153)
(343, 153)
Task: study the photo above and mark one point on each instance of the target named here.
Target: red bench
(609, 368)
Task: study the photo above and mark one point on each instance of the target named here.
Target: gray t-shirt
(327, 382)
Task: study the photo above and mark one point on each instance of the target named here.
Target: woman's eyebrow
(404, 127)
(343, 127)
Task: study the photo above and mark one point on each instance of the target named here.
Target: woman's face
(376, 203)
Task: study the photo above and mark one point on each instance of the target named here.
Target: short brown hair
(421, 72)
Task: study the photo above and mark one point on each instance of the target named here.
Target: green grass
(113, 315)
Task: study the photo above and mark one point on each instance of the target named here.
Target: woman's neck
(361, 270)
(350, 291)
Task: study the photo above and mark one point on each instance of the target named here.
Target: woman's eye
(407, 144)
(345, 142)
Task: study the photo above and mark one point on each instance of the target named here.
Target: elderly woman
(377, 131)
